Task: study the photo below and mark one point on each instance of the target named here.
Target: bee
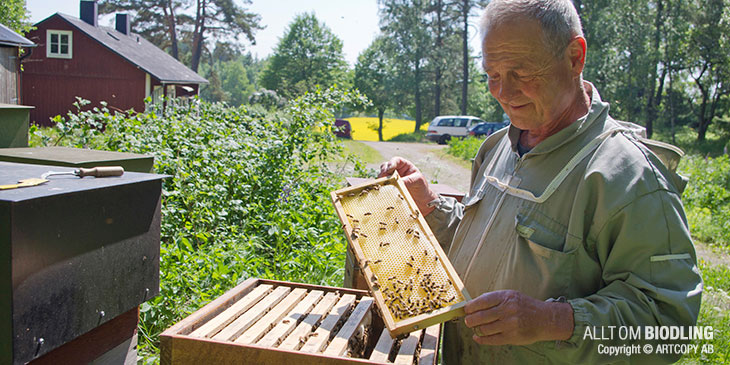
(337, 198)
(417, 234)
(365, 263)
(367, 214)
(355, 221)
(425, 252)
(349, 215)
(351, 194)
(384, 244)
(435, 258)
(413, 216)
(376, 187)
(390, 208)
(377, 261)
(396, 220)
(344, 225)
(285, 321)
(364, 235)
(409, 264)
(382, 228)
(418, 271)
(354, 235)
(391, 278)
(383, 223)
(412, 259)
(401, 196)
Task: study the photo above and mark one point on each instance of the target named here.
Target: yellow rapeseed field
(366, 129)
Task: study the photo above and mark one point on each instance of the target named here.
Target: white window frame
(58, 54)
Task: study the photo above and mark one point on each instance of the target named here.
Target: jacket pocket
(545, 237)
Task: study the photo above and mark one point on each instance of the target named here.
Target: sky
(355, 22)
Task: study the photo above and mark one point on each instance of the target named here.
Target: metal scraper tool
(103, 171)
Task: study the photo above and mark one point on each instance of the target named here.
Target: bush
(707, 198)
(248, 196)
(465, 148)
(419, 136)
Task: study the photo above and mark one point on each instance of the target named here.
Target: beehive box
(274, 322)
(407, 272)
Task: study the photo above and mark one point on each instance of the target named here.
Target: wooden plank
(216, 324)
(268, 321)
(195, 351)
(318, 340)
(287, 325)
(429, 345)
(382, 348)
(359, 316)
(210, 310)
(247, 319)
(292, 342)
(95, 343)
(408, 349)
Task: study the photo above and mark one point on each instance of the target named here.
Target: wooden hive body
(274, 322)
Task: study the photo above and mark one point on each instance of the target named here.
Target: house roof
(140, 52)
(8, 37)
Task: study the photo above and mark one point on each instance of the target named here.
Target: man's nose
(507, 90)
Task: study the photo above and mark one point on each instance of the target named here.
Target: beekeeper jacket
(590, 214)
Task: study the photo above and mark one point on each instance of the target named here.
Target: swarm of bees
(417, 290)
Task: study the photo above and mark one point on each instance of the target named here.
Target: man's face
(533, 87)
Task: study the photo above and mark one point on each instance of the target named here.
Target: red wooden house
(77, 57)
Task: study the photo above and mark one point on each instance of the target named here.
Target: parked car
(487, 128)
(342, 128)
(442, 128)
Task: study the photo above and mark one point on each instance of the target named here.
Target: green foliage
(713, 312)
(419, 136)
(248, 195)
(707, 198)
(308, 54)
(181, 27)
(465, 148)
(14, 16)
(374, 78)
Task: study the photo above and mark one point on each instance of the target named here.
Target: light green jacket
(608, 233)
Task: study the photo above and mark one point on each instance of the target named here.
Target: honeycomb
(405, 265)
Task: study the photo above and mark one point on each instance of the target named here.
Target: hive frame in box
(197, 338)
(397, 326)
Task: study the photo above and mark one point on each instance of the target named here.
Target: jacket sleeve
(444, 219)
(650, 278)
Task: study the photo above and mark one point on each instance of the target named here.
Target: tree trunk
(198, 33)
(381, 112)
(439, 57)
(654, 100)
(171, 23)
(465, 56)
(417, 93)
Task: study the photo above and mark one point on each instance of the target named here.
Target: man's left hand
(509, 317)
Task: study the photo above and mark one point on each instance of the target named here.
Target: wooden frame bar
(375, 284)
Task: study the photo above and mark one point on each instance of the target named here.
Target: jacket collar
(598, 110)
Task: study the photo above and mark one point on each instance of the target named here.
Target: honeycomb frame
(394, 245)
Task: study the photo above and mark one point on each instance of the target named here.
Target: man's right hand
(413, 179)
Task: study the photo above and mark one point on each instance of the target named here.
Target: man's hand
(413, 179)
(509, 317)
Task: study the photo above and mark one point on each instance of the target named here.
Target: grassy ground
(714, 312)
(366, 153)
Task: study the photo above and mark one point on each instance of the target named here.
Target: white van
(442, 128)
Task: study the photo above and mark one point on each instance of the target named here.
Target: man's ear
(576, 52)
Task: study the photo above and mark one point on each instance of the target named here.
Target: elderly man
(572, 223)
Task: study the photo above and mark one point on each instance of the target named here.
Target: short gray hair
(558, 18)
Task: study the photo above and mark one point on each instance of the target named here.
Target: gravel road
(429, 158)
